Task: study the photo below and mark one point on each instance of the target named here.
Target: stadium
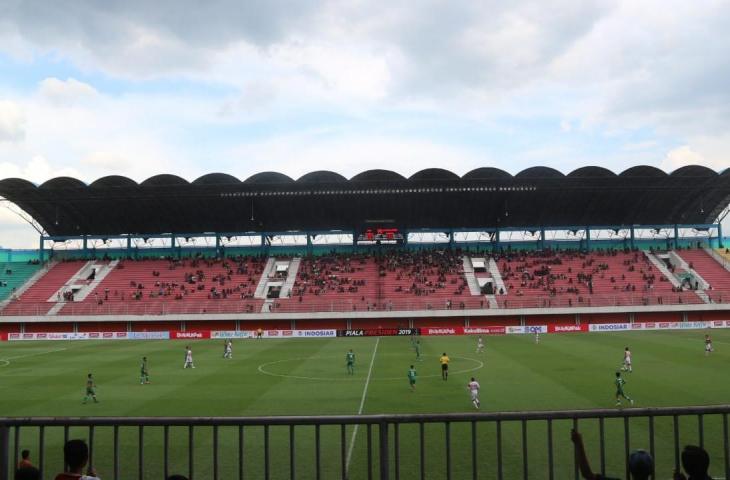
(534, 285)
(316, 240)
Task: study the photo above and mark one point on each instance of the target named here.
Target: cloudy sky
(139, 88)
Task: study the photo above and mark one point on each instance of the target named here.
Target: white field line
(359, 410)
(32, 354)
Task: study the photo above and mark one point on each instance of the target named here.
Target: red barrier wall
(49, 327)
(102, 326)
(155, 326)
(321, 324)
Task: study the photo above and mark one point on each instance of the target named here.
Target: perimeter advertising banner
(583, 327)
(189, 335)
(380, 332)
(69, 336)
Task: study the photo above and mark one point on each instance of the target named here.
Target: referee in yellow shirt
(444, 360)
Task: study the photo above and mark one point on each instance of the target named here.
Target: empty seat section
(711, 271)
(35, 300)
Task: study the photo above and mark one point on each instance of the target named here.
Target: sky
(138, 88)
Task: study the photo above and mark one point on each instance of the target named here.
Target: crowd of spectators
(378, 282)
(213, 278)
(695, 464)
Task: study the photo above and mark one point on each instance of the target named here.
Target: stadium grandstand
(325, 251)
(433, 258)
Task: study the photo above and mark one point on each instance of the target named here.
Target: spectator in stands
(75, 456)
(25, 459)
(695, 462)
(27, 473)
(641, 464)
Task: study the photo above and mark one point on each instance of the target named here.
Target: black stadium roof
(323, 200)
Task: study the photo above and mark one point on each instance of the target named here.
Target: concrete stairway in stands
(261, 288)
(681, 263)
(291, 276)
(101, 273)
(494, 271)
(492, 299)
(471, 279)
(661, 266)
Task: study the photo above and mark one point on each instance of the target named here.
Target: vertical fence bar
(474, 475)
(725, 445)
(396, 448)
(166, 451)
(240, 452)
(318, 457)
(42, 448)
(383, 450)
(651, 441)
(422, 448)
(140, 453)
(575, 466)
(215, 452)
(551, 467)
(343, 450)
(701, 429)
(292, 454)
(525, 475)
(602, 442)
(676, 443)
(267, 472)
(191, 451)
(627, 446)
(16, 444)
(91, 446)
(448, 450)
(115, 454)
(4, 451)
(499, 449)
(370, 452)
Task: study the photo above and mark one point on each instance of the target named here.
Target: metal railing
(478, 445)
(457, 303)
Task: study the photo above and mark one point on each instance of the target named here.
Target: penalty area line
(6, 360)
(359, 410)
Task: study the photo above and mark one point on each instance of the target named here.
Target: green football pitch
(308, 377)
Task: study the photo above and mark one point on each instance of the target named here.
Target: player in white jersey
(474, 387)
(188, 358)
(627, 361)
(480, 345)
(229, 350)
(537, 335)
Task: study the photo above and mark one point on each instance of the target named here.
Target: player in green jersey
(620, 382)
(90, 389)
(350, 360)
(418, 350)
(144, 374)
(412, 378)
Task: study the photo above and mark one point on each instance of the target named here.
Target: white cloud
(710, 151)
(12, 122)
(66, 92)
(297, 155)
(36, 170)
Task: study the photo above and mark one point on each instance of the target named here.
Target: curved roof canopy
(323, 200)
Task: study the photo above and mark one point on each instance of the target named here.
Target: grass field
(307, 377)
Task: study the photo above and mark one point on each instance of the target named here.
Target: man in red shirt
(76, 455)
(24, 459)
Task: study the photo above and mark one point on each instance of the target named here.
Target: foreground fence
(452, 446)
